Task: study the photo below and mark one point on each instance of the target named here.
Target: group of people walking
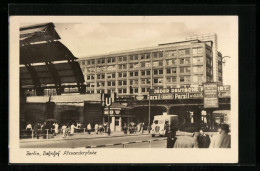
(200, 140)
(133, 128)
(51, 129)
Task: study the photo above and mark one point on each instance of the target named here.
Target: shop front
(119, 114)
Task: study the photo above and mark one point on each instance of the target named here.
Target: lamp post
(224, 61)
(149, 127)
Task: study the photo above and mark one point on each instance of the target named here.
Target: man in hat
(171, 136)
(222, 139)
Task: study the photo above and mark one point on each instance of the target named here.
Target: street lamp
(224, 61)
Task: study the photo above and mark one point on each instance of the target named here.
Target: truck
(160, 122)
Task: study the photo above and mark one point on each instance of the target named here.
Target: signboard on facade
(210, 98)
(139, 97)
(185, 93)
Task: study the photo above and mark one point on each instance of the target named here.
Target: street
(84, 142)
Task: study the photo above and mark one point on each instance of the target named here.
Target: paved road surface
(75, 143)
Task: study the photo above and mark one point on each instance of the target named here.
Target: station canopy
(45, 60)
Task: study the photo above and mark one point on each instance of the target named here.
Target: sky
(93, 35)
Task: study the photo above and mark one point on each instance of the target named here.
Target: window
(174, 70)
(148, 81)
(181, 61)
(136, 73)
(187, 51)
(142, 81)
(168, 71)
(160, 80)
(174, 79)
(197, 60)
(136, 90)
(196, 51)
(187, 78)
(187, 61)
(124, 83)
(111, 75)
(143, 90)
(160, 71)
(197, 69)
(155, 72)
(168, 80)
(182, 70)
(143, 73)
(171, 53)
(155, 80)
(131, 57)
(160, 63)
(155, 55)
(142, 56)
(147, 56)
(187, 70)
(182, 52)
(122, 66)
(147, 72)
(111, 60)
(160, 54)
(131, 74)
(119, 91)
(101, 61)
(181, 78)
(131, 66)
(93, 61)
(100, 84)
(82, 62)
(122, 58)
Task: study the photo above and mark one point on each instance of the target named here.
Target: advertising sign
(210, 95)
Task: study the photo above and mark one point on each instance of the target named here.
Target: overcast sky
(86, 36)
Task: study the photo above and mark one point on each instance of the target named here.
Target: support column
(112, 124)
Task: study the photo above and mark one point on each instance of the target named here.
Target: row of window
(170, 53)
(147, 81)
(182, 70)
(169, 62)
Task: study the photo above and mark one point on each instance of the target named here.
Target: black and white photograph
(124, 89)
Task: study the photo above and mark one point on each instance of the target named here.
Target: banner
(210, 95)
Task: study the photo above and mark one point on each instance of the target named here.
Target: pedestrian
(141, 127)
(222, 139)
(64, 130)
(96, 128)
(105, 127)
(56, 128)
(44, 131)
(171, 137)
(79, 126)
(72, 129)
(138, 127)
(125, 128)
(89, 128)
(203, 139)
(100, 128)
(28, 129)
(37, 129)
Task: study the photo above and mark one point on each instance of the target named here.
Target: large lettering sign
(210, 95)
(185, 93)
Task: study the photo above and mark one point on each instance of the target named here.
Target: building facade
(217, 56)
(135, 72)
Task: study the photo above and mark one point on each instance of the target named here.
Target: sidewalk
(82, 136)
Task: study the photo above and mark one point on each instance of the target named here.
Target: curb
(47, 140)
(124, 143)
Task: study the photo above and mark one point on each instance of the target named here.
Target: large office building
(217, 56)
(135, 72)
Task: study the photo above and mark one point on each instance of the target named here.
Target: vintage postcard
(123, 89)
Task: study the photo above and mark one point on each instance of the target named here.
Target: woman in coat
(222, 139)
